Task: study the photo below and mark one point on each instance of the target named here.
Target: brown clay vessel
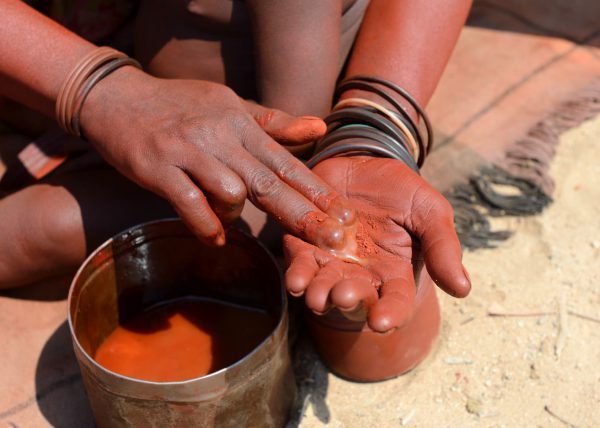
(353, 351)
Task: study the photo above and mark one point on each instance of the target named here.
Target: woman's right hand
(205, 150)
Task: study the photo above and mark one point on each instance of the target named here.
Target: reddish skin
(287, 54)
(195, 143)
(422, 34)
(407, 43)
(390, 219)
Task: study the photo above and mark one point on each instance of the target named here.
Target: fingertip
(344, 298)
(317, 295)
(463, 284)
(316, 300)
(304, 130)
(388, 314)
(456, 284)
(380, 323)
(348, 295)
(295, 283)
(327, 234)
(220, 240)
(317, 125)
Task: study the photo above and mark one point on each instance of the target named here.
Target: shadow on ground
(59, 389)
(311, 380)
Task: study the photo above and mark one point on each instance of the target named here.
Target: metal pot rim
(207, 378)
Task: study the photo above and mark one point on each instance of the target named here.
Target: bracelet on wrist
(90, 70)
(362, 126)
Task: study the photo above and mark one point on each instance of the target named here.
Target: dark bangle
(98, 75)
(92, 68)
(397, 149)
(351, 135)
(367, 83)
(358, 125)
(403, 93)
(356, 115)
(351, 84)
(356, 146)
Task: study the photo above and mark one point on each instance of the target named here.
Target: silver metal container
(162, 261)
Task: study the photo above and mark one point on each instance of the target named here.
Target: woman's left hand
(400, 221)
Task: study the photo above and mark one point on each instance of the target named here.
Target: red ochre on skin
(183, 339)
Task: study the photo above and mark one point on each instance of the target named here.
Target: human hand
(400, 220)
(201, 147)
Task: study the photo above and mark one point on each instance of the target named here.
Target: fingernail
(310, 118)
(220, 239)
(467, 276)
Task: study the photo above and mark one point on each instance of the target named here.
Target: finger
(317, 295)
(284, 128)
(395, 306)
(302, 265)
(294, 173)
(224, 189)
(434, 226)
(290, 208)
(354, 297)
(191, 205)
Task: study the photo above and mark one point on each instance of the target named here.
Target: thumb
(433, 224)
(284, 128)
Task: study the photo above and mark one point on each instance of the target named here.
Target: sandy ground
(538, 369)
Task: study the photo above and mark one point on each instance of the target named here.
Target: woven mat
(522, 73)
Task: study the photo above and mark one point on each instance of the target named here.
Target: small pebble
(533, 374)
(406, 419)
(474, 406)
(457, 360)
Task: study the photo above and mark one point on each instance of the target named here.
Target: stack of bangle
(90, 70)
(359, 125)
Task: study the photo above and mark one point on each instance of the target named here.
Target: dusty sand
(502, 371)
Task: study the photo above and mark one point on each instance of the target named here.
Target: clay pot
(353, 351)
(162, 261)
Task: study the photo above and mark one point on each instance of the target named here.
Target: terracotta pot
(158, 262)
(353, 351)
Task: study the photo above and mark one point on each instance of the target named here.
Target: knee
(42, 236)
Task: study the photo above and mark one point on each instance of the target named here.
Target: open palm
(401, 221)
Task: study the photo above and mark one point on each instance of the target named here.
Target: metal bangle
(417, 149)
(352, 146)
(364, 86)
(355, 115)
(96, 77)
(352, 132)
(406, 95)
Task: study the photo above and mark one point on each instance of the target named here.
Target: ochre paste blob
(183, 339)
(346, 247)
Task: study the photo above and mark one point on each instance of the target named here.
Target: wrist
(113, 100)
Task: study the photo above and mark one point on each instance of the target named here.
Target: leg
(48, 229)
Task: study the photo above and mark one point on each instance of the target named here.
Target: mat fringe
(524, 169)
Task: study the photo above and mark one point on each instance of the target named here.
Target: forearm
(408, 43)
(297, 53)
(36, 54)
